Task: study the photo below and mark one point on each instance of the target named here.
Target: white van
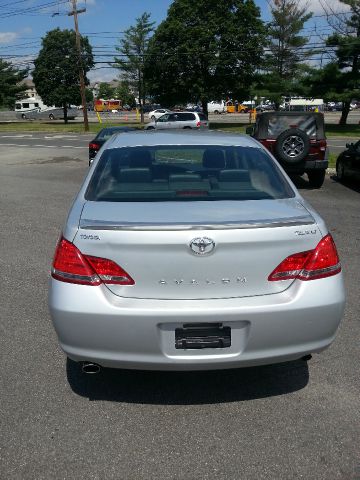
(29, 105)
(34, 108)
(216, 107)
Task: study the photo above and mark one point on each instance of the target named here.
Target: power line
(33, 9)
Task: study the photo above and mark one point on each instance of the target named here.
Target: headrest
(135, 175)
(139, 158)
(234, 176)
(213, 158)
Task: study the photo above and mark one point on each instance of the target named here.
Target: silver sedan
(190, 251)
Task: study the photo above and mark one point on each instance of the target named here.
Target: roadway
(288, 421)
(64, 142)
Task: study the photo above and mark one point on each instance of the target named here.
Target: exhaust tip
(90, 368)
(306, 358)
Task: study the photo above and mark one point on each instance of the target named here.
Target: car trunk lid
(212, 250)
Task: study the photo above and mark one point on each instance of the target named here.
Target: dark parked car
(297, 140)
(348, 162)
(101, 137)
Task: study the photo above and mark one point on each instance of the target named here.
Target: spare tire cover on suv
(292, 146)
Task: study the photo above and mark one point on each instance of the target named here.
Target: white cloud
(102, 75)
(7, 37)
(317, 6)
(87, 2)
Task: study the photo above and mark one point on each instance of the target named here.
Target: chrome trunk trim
(86, 224)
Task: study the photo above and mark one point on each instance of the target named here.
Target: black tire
(153, 118)
(216, 112)
(23, 116)
(51, 116)
(187, 128)
(150, 128)
(316, 178)
(292, 146)
(340, 170)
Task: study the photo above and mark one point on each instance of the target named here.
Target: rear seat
(235, 179)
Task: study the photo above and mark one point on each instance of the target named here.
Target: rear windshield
(181, 173)
(277, 124)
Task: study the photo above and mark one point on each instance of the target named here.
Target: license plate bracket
(194, 336)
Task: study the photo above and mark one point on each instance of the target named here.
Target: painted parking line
(16, 136)
(41, 146)
(46, 137)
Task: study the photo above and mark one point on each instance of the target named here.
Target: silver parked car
(189, 251)
(185, 120)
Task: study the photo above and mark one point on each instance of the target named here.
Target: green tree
(133, 51)
(11, 87)
(346, 69)
(106, 91)
(124, 93)
(89, 96)
(284, 67)
(56, 73)
(205, 50)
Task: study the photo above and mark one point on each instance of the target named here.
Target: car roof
(150, 138)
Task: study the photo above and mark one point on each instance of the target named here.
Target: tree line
(208, 50)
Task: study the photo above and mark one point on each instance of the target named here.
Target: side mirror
(249, 130)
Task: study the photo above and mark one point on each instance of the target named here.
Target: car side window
(174, 118)
(163, 118)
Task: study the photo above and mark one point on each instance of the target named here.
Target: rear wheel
(51, 116)
(216, 112)
(316, 178)
(153, 118)
(340, 170)
(150, 128)
(187, 128)
(23, 116)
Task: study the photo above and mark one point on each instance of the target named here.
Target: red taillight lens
(109, 271)
(319, 263)
(198, 124)
(71, 266)
(94, 146)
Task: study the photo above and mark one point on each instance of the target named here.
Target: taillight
(94, 146)
(313, 264)
(72, 266)
(198, 124)
(322, 144)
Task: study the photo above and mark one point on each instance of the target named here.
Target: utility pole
(75, 12)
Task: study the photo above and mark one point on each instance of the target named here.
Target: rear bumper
(316, 165)
(94, 325)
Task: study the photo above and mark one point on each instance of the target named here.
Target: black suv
(297, 140)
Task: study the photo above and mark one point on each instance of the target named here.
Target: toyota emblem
(202, 245)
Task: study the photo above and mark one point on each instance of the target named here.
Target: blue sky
(24, 22)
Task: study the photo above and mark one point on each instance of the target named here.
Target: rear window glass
(182, 173)
(182, 117)
(277, 124)
(202, 116)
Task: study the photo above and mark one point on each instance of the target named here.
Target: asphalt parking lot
(288, 421)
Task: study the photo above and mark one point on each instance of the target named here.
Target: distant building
(30, 91)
